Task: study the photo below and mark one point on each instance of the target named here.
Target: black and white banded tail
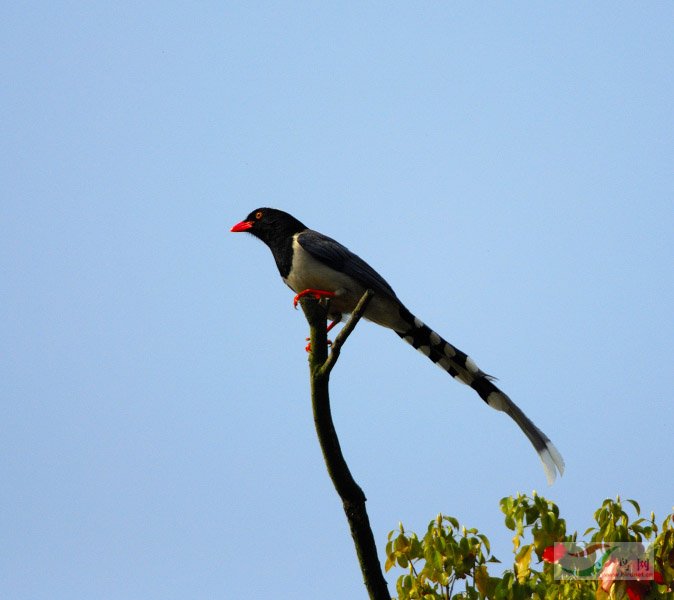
(460, 366)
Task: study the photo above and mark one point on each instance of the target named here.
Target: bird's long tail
(460, 366)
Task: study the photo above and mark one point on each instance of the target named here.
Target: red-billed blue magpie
(312, 263)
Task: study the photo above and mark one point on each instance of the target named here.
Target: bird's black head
(270, 225)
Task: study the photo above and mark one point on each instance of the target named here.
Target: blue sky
(507, 168)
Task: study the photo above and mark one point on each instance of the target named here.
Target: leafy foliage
(449, 553)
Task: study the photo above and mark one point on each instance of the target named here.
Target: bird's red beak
(242, 226)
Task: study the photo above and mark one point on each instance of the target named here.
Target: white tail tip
(552, 462)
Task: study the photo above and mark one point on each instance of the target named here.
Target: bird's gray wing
(341, 259)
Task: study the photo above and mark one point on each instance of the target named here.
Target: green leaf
(401, 544)
(531, 515)
(482, 579)
(635, 504)
(522, 562)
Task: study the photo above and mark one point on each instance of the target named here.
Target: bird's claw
(317, 294)
(308, 346)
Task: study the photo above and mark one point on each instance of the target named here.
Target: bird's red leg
(308, 346)
(318, 294)
(332, 324)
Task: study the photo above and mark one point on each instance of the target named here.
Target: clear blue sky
(508, 168)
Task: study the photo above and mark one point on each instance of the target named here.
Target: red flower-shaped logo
(555, 553)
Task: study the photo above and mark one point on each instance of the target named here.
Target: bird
(313, 264)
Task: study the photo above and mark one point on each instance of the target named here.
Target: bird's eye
(258, 215)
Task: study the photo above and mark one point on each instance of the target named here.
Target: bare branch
(350, 325)
(352, 496)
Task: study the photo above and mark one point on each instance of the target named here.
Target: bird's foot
(308, 346)
(328, 328)
(317, 294)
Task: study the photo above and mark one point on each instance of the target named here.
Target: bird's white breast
(308, 272)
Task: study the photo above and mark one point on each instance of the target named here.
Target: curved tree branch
(352, 496)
